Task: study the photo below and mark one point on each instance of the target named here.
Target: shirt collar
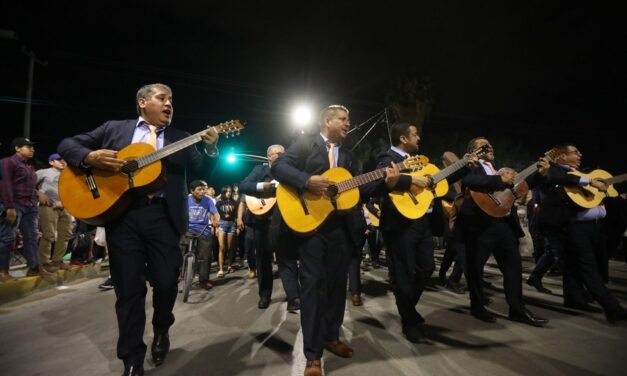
(402, 152)
(326, 140)
(142, 122)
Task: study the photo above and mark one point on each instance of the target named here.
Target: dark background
(524, 75)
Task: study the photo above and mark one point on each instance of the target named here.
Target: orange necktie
(152, 136)
(331, 155)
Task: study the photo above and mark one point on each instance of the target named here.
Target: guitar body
(318, 207)
(416, 202)
(113, 187)
(374, 220)
(260, 206)
(588, 196)
(499, 204)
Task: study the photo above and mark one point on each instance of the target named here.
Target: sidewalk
(23, 286)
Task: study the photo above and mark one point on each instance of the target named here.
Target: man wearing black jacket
(144, 240)
(324, 256)
(577, 233)
(484, 235)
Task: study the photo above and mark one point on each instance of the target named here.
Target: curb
(21, 287)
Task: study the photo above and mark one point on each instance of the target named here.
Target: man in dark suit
(260, 183)
(576, 233)
(324, 256)
(408, 241)
(484, 235)
(143, 241)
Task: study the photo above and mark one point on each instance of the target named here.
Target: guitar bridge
(91, 184)
(413, 198)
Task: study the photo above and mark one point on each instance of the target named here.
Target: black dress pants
(263, 258)
(411, 265)
(324, 259)
(143, 244)
(581, 267)
(499, 239)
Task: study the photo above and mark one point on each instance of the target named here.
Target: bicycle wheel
(188, 274)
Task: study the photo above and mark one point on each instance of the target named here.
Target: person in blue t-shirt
(201, 210)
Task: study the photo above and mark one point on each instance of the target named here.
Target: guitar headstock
(481, 151)
(415, 162)
(552, 154)
(229, 128)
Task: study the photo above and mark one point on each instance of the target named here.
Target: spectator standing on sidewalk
(18, 203)
(55, 222)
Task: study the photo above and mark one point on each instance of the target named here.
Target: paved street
(72, 330)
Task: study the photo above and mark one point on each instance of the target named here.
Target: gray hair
(146, 91)
(272, 147)
(329, 111)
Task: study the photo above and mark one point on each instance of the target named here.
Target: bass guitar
(414, 203)
(304, 212)
(98, 196)
(499, 204)
(589, 196)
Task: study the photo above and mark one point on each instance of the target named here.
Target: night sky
(524, 75)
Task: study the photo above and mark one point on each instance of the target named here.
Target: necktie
(490, 167)
(331, 145)
(152, 136)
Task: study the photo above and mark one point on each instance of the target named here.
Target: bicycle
(189, 262)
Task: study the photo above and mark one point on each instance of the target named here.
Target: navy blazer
(309, 156)
(556, 209)
(117, 134)
(259, 174)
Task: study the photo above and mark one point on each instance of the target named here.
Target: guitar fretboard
(368, 177)
(169, 149)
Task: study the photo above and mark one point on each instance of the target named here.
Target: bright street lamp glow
(302, 115)
(230, 158)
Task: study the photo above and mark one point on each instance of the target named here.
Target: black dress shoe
(526, 317)
(537, 284)
(412, 333)
(293, 305)
(454, 287)
(263, 303)
(617, 315)
(483, 315)
(133, 371)
(583, 307)
(160, 347)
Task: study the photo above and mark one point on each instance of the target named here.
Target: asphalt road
(72, 330)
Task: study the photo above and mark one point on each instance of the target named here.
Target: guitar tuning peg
(237, 134)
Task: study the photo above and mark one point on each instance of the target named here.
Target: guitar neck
(524, 174)
(448, 171)
(368, 177)
(616, 179)
(169, 149)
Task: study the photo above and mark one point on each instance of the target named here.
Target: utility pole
(32, 58)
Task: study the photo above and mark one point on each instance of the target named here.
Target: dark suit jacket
(556, 209)
(471, 219)
(117, 134)
(308, 156)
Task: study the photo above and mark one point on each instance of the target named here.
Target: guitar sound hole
(332, 191)
(131, 166)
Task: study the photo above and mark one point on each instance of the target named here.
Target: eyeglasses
(577, 152)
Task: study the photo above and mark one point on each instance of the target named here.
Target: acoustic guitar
(98, 196)
(414, 203)
(374, 220)
(261, 205)
(589, 196)
(304, 212)
(499, 204)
